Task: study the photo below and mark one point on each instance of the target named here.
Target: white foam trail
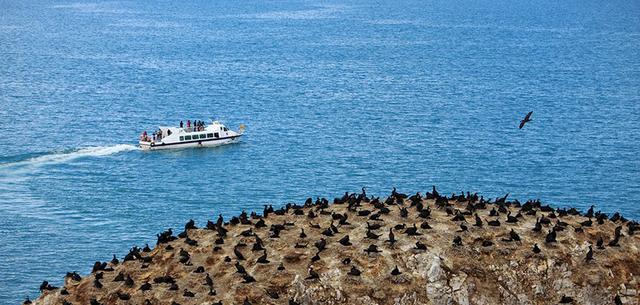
(72, 155)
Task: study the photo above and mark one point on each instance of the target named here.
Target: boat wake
(69, 155)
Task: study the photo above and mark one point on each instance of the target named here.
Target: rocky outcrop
(442, 253)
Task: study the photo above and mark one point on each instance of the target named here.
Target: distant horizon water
(336, 95)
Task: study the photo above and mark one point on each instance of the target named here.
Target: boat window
(209, 135)
(181, 138)
(187, 138)
(202, 136)
(226, 129)
(216, 135)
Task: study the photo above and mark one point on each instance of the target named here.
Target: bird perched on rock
(208, 281)
(589, 256)
(246, 278)
(536, 249)
(412, 231)
(188, 294)
(566, 300)
(371, 235)
(345, 241)
(312, 275)
(551, 237)
(457, 241)
(354, 271)
(239, 268)
(263, 258)
(372, 249)
(392, 237)
(238, 254)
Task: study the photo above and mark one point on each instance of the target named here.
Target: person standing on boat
(181, 124)
(188, 124)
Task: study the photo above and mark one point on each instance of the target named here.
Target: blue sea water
(336, 95)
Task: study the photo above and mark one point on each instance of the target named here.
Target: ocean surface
(336, 95)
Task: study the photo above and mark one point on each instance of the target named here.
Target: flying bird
(526, 119)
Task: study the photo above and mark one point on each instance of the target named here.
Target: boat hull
(191, 144)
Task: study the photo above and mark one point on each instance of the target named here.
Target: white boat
(214, 134)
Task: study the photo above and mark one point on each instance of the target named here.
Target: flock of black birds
(548, 223)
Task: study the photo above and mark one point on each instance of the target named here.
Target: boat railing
(193, 129)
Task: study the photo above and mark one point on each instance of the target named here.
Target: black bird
(478, 220)
(463, 228)
(494, 223)
(240, 269)
(321, 244)
(589, 256)
(97, 284)
(374, 226)
(600, 243)
(425, 225)
(392, 237)
(420, 246)
(208, 280)
(257, 246)
(302, 234)
(128, 281)
(372, 249)
(396, 271)
(263, 259)
(617, 300)
(514, 236)
(511, 219)
(316, 257)
(238, 253)
(354, 271)
(345, 241)
(371, 235)
(115, 260)
(551, 237)
(526, 119)
(280, 267)
(566, 300)
(312, 275)
(538, 226)
(26, 301)
(457, 241)
(123, 296)
(188, 294)
(536, 250)
(246, 278)
(412, 231)
(146, 286)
